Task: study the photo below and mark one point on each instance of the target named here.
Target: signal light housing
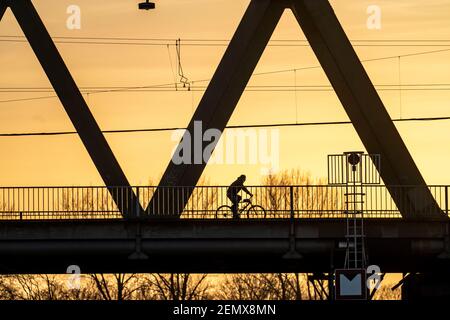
(146, 5)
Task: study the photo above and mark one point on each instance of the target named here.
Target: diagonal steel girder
(348, 78)
(220, 98)
(74, 104)
(364, 107)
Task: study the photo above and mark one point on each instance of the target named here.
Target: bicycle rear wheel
(256, 212)
(224, 212)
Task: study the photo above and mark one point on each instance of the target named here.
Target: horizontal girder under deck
(214, 246)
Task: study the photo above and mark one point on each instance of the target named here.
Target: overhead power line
(124, 89)
(90, 90)
(222, 42)
(301, 124)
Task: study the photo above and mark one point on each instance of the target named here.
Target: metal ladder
(355, 257)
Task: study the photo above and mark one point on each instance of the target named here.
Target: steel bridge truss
(335, 54)
(345, 73)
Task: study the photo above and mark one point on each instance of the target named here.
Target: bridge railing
(317, 201)
(40, 203)
(279, 202)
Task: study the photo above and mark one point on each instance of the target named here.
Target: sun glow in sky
(62, 160)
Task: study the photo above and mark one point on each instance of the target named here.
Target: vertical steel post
(291, 197)
(137, 204)
(292, 253)
(446, 200)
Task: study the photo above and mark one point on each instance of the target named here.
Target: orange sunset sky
(62, 160)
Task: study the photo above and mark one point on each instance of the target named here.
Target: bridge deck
(187, 245)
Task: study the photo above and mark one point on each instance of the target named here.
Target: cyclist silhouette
(232, 193)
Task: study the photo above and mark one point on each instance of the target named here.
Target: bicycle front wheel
(224, 212)
(256, 212)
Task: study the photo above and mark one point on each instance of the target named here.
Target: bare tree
(175, 286)
(317, 288)
(386, 293)
(117, 286)
(33, 287)
(311, 197)
(272, 286)
(7, 290)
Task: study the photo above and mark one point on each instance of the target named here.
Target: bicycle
(249, 210)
